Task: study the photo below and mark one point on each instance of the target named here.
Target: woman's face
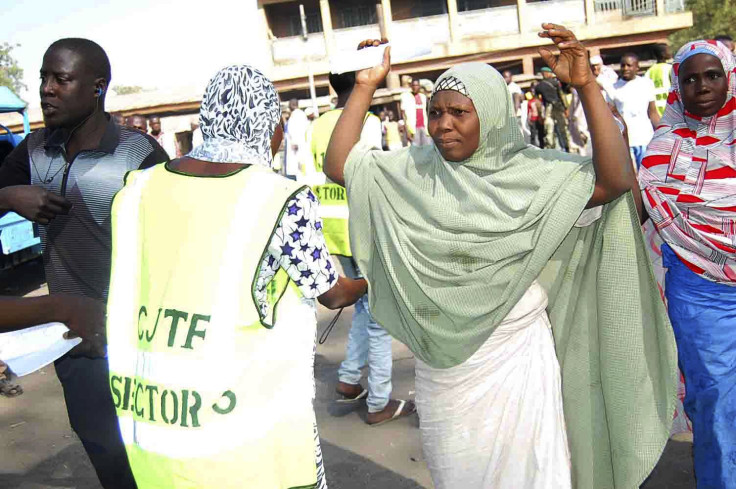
(278, 135)
(703, 85)
(454, 125)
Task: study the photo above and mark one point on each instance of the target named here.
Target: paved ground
(39, 451)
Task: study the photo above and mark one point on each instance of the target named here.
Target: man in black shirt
(554, 108)
(64, 177)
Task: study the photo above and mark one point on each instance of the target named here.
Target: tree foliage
(11, 75)
(126, 89)
(710, 18)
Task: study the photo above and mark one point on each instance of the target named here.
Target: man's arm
(653, 114)
(84, 316)
(517, 102)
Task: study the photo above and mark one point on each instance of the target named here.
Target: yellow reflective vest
(660, 76)
(332, 197)
(211, 390)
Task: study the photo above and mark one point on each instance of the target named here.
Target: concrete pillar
(521, 11)
(660, 7)
(387, 18)
(528, 65)
(589, 12)
(453, 20)
(324, 10)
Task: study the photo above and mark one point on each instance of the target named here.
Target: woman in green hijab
(475, 247)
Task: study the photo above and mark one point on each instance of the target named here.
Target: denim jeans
(368, 344)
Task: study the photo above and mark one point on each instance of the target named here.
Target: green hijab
(449, 248)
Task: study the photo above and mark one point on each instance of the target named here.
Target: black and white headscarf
(238, 117)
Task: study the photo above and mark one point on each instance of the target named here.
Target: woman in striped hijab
(688, 179)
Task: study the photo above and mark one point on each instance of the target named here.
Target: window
(356, 15)
(284, 19)
(412, 9)
(466, 5)
(314, 24)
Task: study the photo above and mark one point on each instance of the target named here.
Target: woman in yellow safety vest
(216, 264)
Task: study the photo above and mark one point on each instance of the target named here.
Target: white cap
(596, 60)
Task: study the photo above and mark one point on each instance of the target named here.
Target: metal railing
(607, 5)
(632, 8)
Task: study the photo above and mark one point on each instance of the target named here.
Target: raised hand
(373, 77)
(571, 66)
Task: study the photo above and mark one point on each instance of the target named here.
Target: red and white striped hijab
(688, 176)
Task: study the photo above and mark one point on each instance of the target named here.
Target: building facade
(500, 32)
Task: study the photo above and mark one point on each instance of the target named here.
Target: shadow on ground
(68, 468)
(347, 470)
(675, 469)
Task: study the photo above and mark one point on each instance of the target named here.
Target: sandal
(347, 399)
(405, 408)
(7, 388)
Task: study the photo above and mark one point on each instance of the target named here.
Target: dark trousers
(558, 115)
(536, 128)
(93, 418)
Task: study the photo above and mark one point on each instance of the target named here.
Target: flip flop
(8, 389)
(352, 400)
(399, 413)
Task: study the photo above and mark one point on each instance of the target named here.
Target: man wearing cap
(555, 123)
(604, 75)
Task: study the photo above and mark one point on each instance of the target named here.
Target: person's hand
(35, 203)
(374, 77)
(621, 122)
(85, 318)
(571, 66)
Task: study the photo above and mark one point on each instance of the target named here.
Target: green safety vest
(210, 391)
(660, 76)
(332, 197)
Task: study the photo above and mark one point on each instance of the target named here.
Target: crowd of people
(512, 265)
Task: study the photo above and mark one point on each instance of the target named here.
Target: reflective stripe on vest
(192, 360)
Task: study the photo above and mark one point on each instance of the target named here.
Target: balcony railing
(634, 8)
(607, 5)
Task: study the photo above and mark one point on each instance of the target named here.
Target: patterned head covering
(688, 175)
(239, 113)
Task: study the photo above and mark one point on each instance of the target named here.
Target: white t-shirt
(632, 101)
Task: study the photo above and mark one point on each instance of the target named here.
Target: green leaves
(710, 18)
(11, 75)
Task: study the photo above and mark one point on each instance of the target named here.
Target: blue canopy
(9, 102)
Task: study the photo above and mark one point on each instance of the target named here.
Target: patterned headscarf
(688, 175)
(239, 113)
